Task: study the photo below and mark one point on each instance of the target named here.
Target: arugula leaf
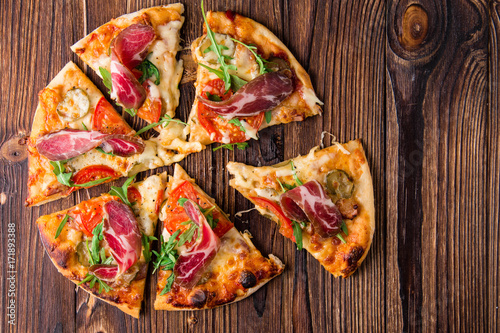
(187, 236)
(258, 58)
(167, 256)
(61, 226)
(92, 279)
(237, 122)
(59, 170)
(182, 201)
(121, 192)
(211, 221)
(211, 97)
(145, 239)
(168, 286)
(148, 70)
(164, 121)
(84, 126)
(343, 226)
(102, 151)
(339, 236)
(230, 146)
(92, 183)
(131, 112)
(297, 180)
(269, 116)
(217, 49)
(94, 247)
(297, 233)
(106, 78)
(236, 81)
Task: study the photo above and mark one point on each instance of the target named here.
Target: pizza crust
(338, 259)
(237, 259)
(300, 104)
(63, 250)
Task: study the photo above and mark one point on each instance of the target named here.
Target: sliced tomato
(108, 121)
(90, 213)
(150, 110)
(218, 127)
(133, 194)
(176, 214)
(94, 172)
(159, 201)
(286, 228)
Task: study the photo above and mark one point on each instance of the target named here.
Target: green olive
(339, 183)
(75, 105)
(83, 254)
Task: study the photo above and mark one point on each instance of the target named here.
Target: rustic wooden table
(417, 81)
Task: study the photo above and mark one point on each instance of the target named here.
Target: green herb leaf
(121, 192)
(61, 226)
(102, 151)
(167, 256)
(145, 239)
(106, 78)
(149, 70)
(343, 226)
(258, 58)
(84, 126)
(131, 112)
(339, 236)
(164, 121)
(269, 116)
(59, 170)
(237, 122)
(230, 146)
(92, 183)
(168, 286)
(182, 201)
(187, 236)
(297, 233)
(94, 247)
(211, 97)
(297, 180)
(236, 81)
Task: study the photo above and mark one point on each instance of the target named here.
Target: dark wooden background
(417, 81)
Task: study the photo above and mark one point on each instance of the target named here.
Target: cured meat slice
(70, 143)
(311, 198)
(263, 93)
(132, 43)
(104, 272)
(122, 233)
(126, 88)
(192, 263)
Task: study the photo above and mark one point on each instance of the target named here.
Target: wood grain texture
(421, 91)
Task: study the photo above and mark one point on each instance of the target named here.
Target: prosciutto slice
(126, 88)
(263, 93)
(70, 143)
(191, 264)
(132, 43)
(106, 273)
(121, 231)
(310, 202)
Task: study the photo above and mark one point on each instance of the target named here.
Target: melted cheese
(146, 209)
(250, 132)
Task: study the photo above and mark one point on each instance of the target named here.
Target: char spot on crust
(198, 298)
(248, 279)
(352, 260)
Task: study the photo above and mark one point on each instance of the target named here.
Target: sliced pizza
(247, 80)
(204, 261)
(102, 244)
(322, 201)
(135, 55)
(78, 140)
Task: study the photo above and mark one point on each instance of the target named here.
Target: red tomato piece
(133, 194)
(94, 172)
(107, 120)
(217, 126)
(176, 214)
(286, 228)
(89, 213)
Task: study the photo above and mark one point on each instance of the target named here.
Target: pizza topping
(316, 206)
(286, 228)
(104, 272)
(132, 43)
(69, 143)
(123, 145)
(107, 121)
(121, 231)
(75, 105)
(339, 183)
(348, 208)
(191, 264)
(126, 88)
(92, 175)
(261, 94)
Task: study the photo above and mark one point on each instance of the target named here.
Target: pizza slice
(322, 201)
(247, 80)
(204, 261)
(78, 140)
(102, 244)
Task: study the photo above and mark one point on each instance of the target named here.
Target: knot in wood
(14, 150)
(415, 25)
